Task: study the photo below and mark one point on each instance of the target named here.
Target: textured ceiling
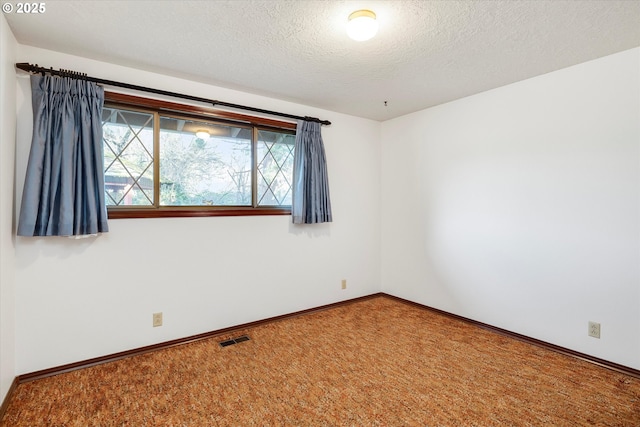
(426, 52)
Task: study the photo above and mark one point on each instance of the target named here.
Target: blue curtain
(311, 203)
(64, 185)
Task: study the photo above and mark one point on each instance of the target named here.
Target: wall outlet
(157, 319)
(344, 283)
(594, 329)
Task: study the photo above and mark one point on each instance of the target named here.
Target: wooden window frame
(116, 100)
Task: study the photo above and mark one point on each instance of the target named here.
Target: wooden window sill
(184, 212)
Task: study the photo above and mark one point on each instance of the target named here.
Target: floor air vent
(233, 341)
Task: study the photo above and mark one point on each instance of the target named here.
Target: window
(163, 159)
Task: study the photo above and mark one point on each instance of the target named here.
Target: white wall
(520, 207)
(8, 47)
(78, 299)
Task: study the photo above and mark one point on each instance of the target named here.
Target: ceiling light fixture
(202, 134)
(362, 25)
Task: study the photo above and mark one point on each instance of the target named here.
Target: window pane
(128, 157)
(275, 168)
(212, 170)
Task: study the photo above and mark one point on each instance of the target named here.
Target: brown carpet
(377, 362)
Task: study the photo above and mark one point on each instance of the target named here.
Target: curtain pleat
(311, 202)
(64, 185)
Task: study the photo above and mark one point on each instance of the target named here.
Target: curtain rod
(68, 73)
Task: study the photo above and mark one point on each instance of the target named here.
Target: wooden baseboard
(168, 344)
(7, 397)
(556, 348)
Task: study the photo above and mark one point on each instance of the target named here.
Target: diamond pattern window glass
(128, 157)
(190, 165)
(275, 168)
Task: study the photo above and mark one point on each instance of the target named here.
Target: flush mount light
(362, 25)
(202, 134)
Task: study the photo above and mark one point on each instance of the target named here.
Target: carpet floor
(376, 362)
